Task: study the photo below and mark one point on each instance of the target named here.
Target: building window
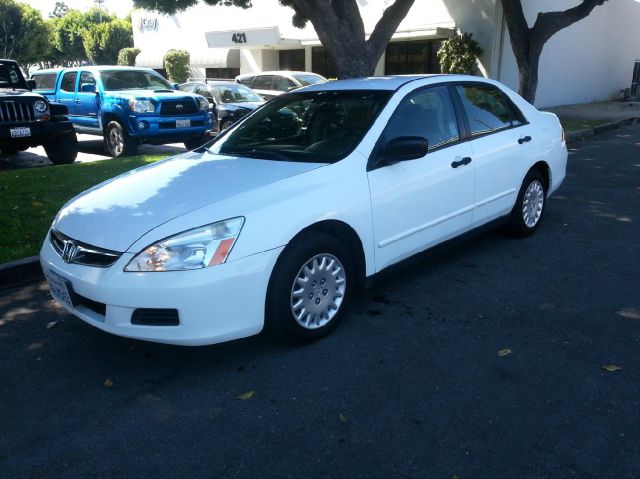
(418, 56)
(322, 64)
(222, 73)
(292, 60)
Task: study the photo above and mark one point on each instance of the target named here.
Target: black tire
(518, 226)
(62, 150)
(279, 318)
(194, 143)
(117, 141)
(9, 150)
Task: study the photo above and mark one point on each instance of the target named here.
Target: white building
(589, 61)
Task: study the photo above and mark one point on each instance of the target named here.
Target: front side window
(263, 82)
(204, 91)
(283, 83)
(320, 127)
(116, 80)
(427, 114)
(10, 76)
(487, 109)
(68, 83)
(87, 78)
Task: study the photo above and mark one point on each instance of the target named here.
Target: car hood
(114, 214)
(22, 94)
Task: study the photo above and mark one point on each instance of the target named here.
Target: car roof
(47, 70)
(392, 82)
(278, 72)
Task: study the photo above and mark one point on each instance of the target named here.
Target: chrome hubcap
(317, 291)
(116, 141)
(532, 204)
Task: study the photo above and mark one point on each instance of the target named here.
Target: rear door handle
(524, 139)
(462, 162)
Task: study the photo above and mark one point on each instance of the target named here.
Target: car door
(66, 94)
(501, 141)
(87, 102)
(419, 203)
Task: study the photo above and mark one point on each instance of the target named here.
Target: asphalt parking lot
(494, 359)
(90, 149)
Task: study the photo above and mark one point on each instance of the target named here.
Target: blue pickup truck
(127, 106)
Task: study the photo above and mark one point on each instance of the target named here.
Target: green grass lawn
(575, 124)
(30, 199)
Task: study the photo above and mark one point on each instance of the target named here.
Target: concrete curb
(20, 272)
(28, 269)
(582, 134)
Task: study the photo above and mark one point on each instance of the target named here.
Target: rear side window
(263, 82)
(487, 109)
(246, 81)
(428, 114)
(45, 81)
(69, 82)
(283, 84)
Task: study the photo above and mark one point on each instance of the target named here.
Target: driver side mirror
(88, 88)
(403, 148)
(31, 84)
(175, 86)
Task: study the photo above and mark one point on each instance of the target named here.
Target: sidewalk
(607, 112)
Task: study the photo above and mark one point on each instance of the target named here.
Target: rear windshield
(45, 81)
(320, 127)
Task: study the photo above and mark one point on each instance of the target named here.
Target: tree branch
(549, 23)
(387, 25)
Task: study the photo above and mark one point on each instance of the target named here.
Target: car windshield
(11, 77)
(308, 79)
(321, 127)
(235, 93)
(114, 80)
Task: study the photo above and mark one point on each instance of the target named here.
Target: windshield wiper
(260, 154)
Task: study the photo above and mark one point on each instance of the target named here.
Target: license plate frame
(61, 289)
(183, 123)
(20, 132)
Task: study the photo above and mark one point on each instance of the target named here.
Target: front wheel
(309, 289)
(63, 149)
(529, 208)
(117, 141)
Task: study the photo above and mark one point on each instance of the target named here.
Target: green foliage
(23, 33)
(103, 41)
(176, 62)
(459, 54)
(127, 56)
(66, 38)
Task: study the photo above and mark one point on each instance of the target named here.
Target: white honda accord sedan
(279, 219)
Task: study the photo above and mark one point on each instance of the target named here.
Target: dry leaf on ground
(108, 383)
(504, 352)
(51, 324)
(245, 396)
(342, 418)
(611, 368)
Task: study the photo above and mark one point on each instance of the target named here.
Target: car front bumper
(164, 129)
(214, 304)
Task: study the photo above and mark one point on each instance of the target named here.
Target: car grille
(182, 107)
(75, 252)
(16, 111)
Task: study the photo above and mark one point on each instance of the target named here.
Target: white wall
(592, 60)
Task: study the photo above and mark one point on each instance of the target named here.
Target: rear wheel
(63, 149)
(117, 141)
(309, 289)
(529, 208)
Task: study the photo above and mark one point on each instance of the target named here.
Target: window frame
(79, 82)
(458, 104)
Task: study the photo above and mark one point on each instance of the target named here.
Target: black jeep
(28, 119)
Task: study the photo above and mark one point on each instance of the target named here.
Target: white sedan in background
(278, 220)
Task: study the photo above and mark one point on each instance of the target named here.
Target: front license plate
(183, 123)
(61, 289)
(20, 132)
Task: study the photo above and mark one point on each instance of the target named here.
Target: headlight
(142, 106)
(204, 103)
(40, 106)
(194, 249)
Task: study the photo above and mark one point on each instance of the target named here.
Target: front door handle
(462, 162)
(524, 139)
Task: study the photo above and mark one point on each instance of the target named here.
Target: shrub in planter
(176, 63)
(127, 56)
(459, 54)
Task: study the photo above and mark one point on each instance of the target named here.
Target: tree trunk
(529, 80)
